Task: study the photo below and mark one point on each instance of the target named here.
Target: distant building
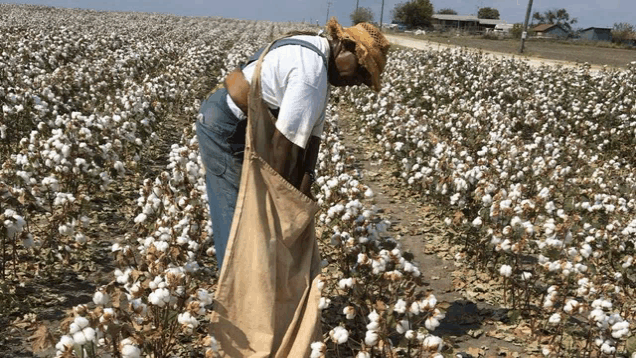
(489, 24)
(458, 22)
(503, 28)
(463, 23)
(549, 30)
(596, 34)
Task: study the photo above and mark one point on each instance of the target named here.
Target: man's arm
(293, 163)
(310, 160)
(287, 159)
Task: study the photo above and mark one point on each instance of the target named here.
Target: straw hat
(371, 47)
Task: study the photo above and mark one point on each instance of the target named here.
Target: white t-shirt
(294, 79)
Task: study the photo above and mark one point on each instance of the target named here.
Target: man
(295, 82)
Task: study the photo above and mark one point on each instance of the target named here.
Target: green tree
(415, 13)
(559, 17)
(447, 11)
(623, 31)
(488, 13)
(361, 14)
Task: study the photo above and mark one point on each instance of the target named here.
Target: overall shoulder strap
(287, 41)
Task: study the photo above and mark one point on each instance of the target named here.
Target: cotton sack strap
(287, 41)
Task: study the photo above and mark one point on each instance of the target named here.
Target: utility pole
(524, 34)
(381, 14)
(357, 3)
(328, 6)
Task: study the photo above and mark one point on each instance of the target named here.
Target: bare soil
(541, 48)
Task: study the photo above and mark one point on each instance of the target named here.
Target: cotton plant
(486, 147)
(160, 285)
(372, 274)
(163, 272)
(526, 162)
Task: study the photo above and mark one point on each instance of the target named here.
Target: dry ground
(545, 51)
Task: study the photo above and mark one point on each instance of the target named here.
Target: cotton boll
(363, 355)
(607, 348)
(546, 351)
(130, 351)
(402, 326)
(432, 342)
(204, 296)
(79, 338)
(339, 335)
(368, 193)
(373, 316)
(428, 303)
(620, 329)
(346, 283)
(525, 276)
(89, 334)
(555, 319)
(159, 297)
(317, 350)
(74, 328)
(371, 338)
(431, 323)
(400, 306)
(186, 319)
(415, 308)
(81, 322)
(505, 270)
(349, 311)
(320, 284)
(324, 303)
(66, 342)
(373, 326)
(101, 298)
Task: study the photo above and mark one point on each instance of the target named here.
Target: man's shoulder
(318, 42)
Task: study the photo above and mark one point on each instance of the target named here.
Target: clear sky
(600, 13)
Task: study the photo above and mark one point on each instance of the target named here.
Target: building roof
(455, 17)
(597, 29)
(491, 22)
(471, 18)
(545, 27)
(504, 26)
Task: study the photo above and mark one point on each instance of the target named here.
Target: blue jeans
(221, 137)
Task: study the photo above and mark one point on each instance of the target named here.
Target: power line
(524, 34)
(328, 6)
(381, 14)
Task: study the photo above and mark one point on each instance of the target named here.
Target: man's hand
(293, 162)
(305, 185)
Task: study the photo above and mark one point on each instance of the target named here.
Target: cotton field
(531, 166)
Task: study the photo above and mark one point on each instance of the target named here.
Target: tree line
(416, 13)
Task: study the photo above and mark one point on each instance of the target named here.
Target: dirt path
(430, 45)
(471, 325)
